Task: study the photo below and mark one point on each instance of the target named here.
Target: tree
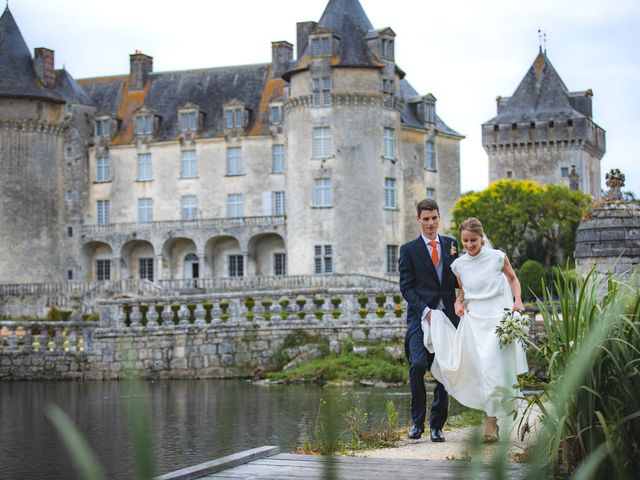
(526, 219)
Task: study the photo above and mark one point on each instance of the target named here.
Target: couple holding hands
(454, 305)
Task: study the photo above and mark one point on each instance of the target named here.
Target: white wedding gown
(468, 360)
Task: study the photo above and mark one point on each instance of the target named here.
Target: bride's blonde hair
(471, 224)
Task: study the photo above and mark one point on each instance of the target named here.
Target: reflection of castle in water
(284, 168)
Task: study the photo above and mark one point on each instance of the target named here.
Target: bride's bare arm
(516, 290)
(459, 307)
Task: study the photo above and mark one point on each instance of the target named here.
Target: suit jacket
(419, 281)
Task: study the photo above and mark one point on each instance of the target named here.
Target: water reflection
(192, 421)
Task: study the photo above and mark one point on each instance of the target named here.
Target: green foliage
(224, 305)
(249, 303)
(380, 312)
(347, 366)
(363, 300)
(531, 275)
(208, 306)
(53, 315)
(336, 301)
(91, 317)
(324, 438)
(591, 417)
(363, 312)
(380, 299)
(525, 219)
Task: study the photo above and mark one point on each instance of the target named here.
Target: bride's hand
(517, 306)
(460, 309)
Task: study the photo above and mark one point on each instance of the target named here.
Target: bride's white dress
(468, 360)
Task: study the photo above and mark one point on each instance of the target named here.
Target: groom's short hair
(427, 204)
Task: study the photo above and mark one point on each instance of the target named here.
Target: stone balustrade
(56, 337)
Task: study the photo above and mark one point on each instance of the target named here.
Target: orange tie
(434, 252)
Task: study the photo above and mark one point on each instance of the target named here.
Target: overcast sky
(465, 52)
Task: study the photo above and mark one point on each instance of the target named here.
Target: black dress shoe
(416, 431)
(437, 435)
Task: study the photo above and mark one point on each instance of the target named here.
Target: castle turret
(31, 149)
(543, 131)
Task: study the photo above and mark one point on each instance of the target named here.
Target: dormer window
(275, 114)
(144, 124)
(234, 117)
(102, 127)
(386, 48)
(320, 46)
(188, 121)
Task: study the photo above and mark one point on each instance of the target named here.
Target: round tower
(342, 129)
(31, 149)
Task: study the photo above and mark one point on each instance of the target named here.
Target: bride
(468, 360)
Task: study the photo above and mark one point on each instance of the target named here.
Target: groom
(426, 283)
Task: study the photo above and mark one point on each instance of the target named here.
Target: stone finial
(614, 180)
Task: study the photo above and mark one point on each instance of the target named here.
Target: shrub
(335, 301)
(53, 315)
(380, 299)
(224, 305)
(336, 313)
(363, 312)
(208, 306)
(249, 303)
(363, 300)
(530, 275)
(380, 312)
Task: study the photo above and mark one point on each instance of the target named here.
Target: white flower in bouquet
(513, 326)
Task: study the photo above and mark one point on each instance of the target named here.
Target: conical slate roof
(17, 76)
(348, 21)
(541, 96)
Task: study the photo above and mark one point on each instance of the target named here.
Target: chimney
(43, 64)
(141, 66)
(304, 29)
(281, 56)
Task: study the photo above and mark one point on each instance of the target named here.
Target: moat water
(192, 421)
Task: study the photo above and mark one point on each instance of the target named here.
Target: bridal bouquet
(513, 326)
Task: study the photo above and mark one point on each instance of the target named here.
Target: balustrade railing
(183, 225)
(46, 336)
(349, 305)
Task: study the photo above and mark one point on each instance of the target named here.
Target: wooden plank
(346, 470)
(230, 461)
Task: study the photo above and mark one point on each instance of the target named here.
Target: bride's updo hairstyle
(473, 225)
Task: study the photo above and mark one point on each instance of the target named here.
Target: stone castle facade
(310, 164)
(546, 133)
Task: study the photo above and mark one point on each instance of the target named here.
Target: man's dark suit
(421, 287)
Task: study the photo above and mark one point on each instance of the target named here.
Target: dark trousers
(419, 362)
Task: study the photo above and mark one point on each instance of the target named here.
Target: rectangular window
(103, 270)
(431, 193)
(390, 193)
(279, 264)
(103, 169)
(276, 114)
(392, 259)
(69, 231)
(188, 121)
(321, 142)
(234, 161)
(509, 174)
(145, 210)
(323, 259)
(564, 172)
(429, 155)
(188, 164)
(69, 272)
(277, 157)
(228, 118)
(145, 172)
(236, 266)
(103, 127)
(146, 269)
(322, 192)
(69, 195)
(144, 124)
(320, 46)
(321, 91)
(235, 205)
(389, 143)
(189, 207)
(278, 203)
(239, 118)
(102, 212)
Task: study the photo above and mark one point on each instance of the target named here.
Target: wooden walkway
(268, 463)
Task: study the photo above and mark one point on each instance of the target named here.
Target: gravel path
(458, 445)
